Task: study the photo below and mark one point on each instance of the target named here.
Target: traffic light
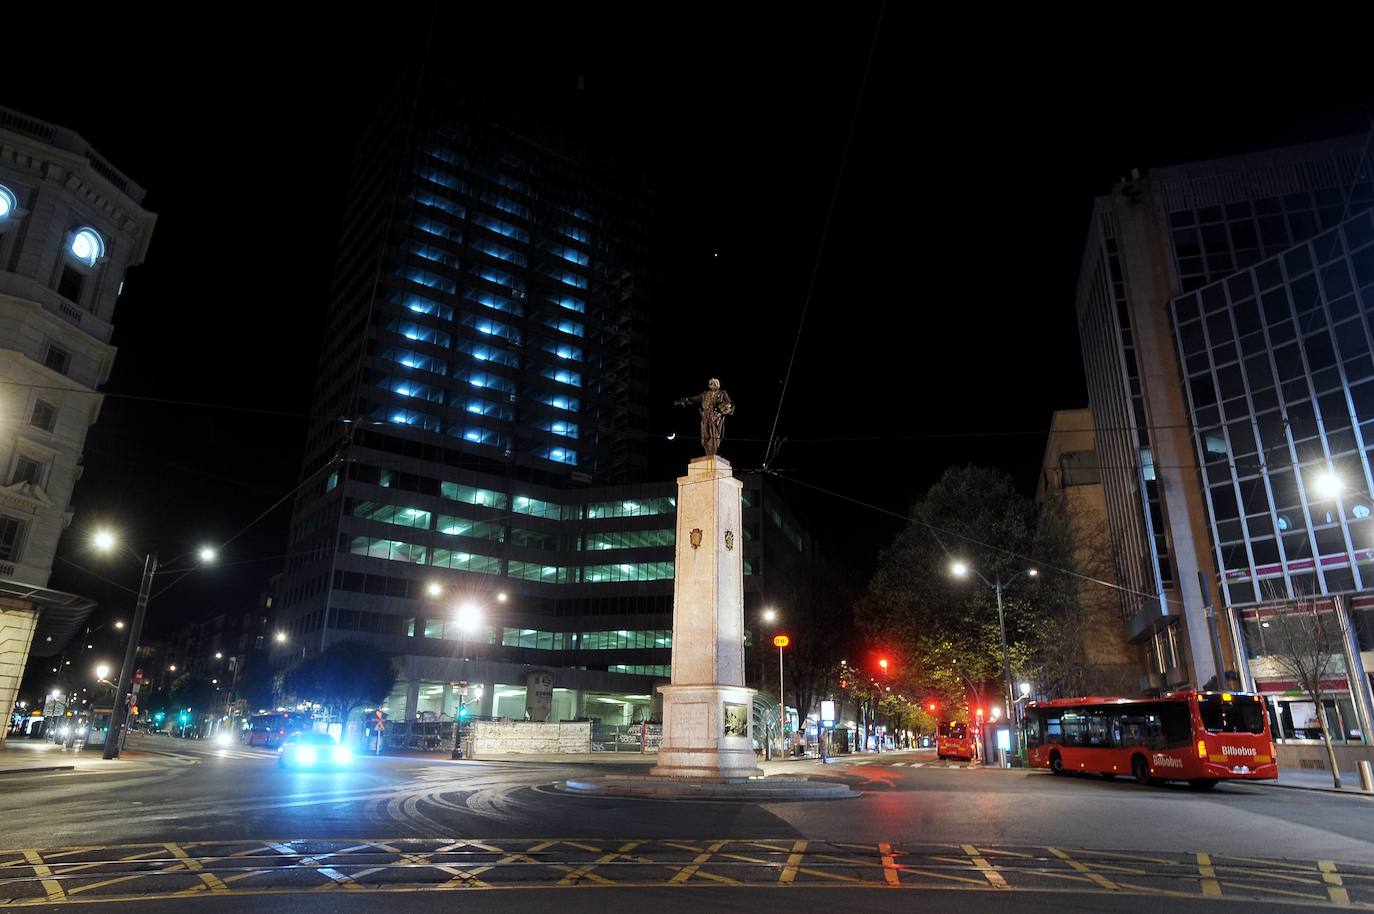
(980, 712)
(883, 663)
(842, 684)
(932, 706)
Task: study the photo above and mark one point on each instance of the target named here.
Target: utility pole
(119, 715)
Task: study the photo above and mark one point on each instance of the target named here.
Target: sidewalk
(28, 756)
(1311, 779)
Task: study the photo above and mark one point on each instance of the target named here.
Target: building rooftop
(72, 142)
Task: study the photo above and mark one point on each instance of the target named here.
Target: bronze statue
(715, 406)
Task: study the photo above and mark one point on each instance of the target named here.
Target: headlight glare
(305, 755)
(342, 756)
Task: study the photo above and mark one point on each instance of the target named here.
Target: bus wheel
(1056, 763)
(1202, 783)
(1141, 770)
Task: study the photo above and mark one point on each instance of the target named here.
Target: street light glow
(102, 671)
(207, 554)
(119, 623)
(501, 597)
(280, 637)
(1033, 572)
(770, 615)
(468, 617)
(1025, 688)
(434, 589)
(104, 540)
(172, 668)
(1327, 484)
(958, 569)
(219, 655)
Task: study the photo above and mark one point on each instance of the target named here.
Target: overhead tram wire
(771, 451)
(934, 530)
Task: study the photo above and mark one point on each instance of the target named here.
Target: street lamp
(102, 671)
(1327, 484)
(468, 618)
(280, 637)
(106, 541)
(780, 642)
(962, 569)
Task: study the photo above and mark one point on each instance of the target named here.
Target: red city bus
(1198, 737)
(271, 730)
(956, 739)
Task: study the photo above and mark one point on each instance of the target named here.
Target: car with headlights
(313, 750)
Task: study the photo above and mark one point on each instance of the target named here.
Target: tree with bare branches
(1302, 646)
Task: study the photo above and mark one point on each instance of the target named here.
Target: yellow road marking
(890, 875)
(586, 868)
(1210, 887)
(1334, 888)
(789, 870)
(687, 872)
(40, 869)
(1269, 890)
(993, 877)
(1083, 868)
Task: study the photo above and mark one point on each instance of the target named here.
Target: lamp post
(119, 714)
(962, 569)
(469, 617)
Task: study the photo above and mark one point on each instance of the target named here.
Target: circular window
(8, 204)
(1360, 511)
(1283, 522)
(86, 246)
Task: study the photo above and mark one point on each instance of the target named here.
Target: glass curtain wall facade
(1152, 241)
(483, 399)
(1280, 387)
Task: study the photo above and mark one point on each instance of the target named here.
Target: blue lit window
(574, 232)
(487, 408)
(426, 278)
(9, 204)
(564, 326)
(558, 401)
(433, 253)
(441, 177)
(571, 254)
(559, 427)
(500, 227)
(505, 203)
(419, 332)
(571, 279)
(558, 455)
(424, 198)
(501, 278)
(484, 353)
(407, 388)
(487, 380)
(563, 376)
(419, 304)
(567, 301)
(416, 360)
(483, 436)
(490, 327)
(86, 246)
(501, 252)
(563, 350)
(410, 417)
(490, 300)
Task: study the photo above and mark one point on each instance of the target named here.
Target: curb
(1362, 794)
(39, 769)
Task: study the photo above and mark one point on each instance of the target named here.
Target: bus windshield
(1221, 716)
(953, 731)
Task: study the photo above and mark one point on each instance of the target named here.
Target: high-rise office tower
(475, 501)
(1224, 309)
(71, 225)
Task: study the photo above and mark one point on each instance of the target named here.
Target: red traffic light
(932, 706)
(842, 684)
(980, 712)
(883, 663)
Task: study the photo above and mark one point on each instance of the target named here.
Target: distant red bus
(956, 739)
(271, 730)
(1198, 737)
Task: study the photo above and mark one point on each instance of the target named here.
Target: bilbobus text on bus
(956, 739)
(1198, 737)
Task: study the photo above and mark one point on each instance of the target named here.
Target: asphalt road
(229, 828)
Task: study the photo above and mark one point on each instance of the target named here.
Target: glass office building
(1174, 236)
(1280, 391)
(487, 352)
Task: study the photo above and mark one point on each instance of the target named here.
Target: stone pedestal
(707, 711)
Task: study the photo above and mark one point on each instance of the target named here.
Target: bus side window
(1178, 724)
(1134, 731)
(1074, 726)
(1052, 731)
(1033, 729)
(1099, 731)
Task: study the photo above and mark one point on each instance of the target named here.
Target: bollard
(1367, 776)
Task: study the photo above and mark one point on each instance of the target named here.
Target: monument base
(706, 733)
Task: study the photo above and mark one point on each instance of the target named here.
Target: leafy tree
(344, 676)
(197, 694)
(946, 626)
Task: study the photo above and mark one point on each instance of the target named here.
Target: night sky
(941, 326)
